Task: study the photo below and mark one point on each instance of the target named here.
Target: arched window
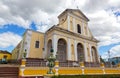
(78, 28)
(37, 44)
(62, 50)
(80, 52)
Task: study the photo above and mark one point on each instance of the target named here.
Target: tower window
(37, 44)
(78, 28)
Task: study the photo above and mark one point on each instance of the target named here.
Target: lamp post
(51, 62)
(109, 58)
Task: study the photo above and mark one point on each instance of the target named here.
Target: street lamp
(109, 60)
(51, 62)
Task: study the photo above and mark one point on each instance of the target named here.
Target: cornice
(71, 33)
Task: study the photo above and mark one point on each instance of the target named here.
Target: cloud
(8, 38)
(104, 24)
(23, 12)
(114, 52)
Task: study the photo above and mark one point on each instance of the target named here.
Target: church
(71, 40)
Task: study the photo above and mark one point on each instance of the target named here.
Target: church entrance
(62, 50)
(80, 52)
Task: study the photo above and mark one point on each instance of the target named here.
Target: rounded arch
(94, 54)
(49, 46)
(62, 50)
(80, 52)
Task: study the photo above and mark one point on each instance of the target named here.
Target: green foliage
(87, 76)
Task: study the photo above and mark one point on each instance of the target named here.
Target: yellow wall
(41, 71)
(8, 56)
(14, 54)
(72, 38)
(36, 52)
(63, 22)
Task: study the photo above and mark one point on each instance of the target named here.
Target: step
(10, 77)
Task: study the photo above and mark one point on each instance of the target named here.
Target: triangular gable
(76, 12)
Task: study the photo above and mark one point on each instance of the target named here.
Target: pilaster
(90, 53)
(54, 44)
(74, 27)
(85, 51)
(75, 45)
(69, 50)
(68, 21)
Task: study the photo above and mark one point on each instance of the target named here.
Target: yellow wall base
(42, 71)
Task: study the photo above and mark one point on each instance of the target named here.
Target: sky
(18, 15)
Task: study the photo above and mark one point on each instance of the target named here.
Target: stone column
(54, 44)
(75, 45)
(90, 53)
(69, 50)
(85, 51)
(98, 57)
(68, 21)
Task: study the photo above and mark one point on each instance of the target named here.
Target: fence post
(82, 65)
(56, 67)
(103, 67)
(22, 68)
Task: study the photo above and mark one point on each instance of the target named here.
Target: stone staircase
(9, 72)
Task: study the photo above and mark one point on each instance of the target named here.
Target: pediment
(78, 13)
(75, 12)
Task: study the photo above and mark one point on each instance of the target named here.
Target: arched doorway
(94, 54)
(62, 50)
(80, 52)
(49, 46)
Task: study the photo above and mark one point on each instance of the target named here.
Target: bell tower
(75, 21)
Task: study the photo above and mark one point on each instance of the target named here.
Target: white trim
(54, 44)
(75, 45)
(69, 49)
(28, 40)
(45, 46)
(68, 21)
(20, 52)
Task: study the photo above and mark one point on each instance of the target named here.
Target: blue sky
(16, 17)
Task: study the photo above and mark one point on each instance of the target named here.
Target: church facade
(71, 40)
